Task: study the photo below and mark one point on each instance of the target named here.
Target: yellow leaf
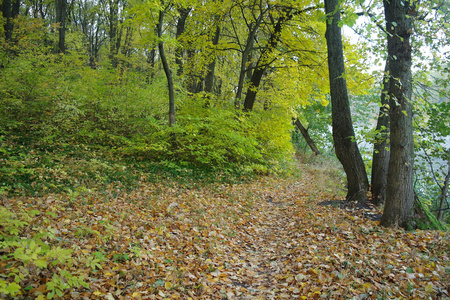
(366, 285)
(429, 288)
(168, 285)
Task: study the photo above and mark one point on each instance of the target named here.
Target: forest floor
(270, 238)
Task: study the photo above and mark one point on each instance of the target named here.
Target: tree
(61, 10)
(181, 24)
(258, 13)
(263, 60)
(10, 10)
(343, 134)
(307, 137)
(399, 202)
(87, 17)
(165, 63)
(381, 154)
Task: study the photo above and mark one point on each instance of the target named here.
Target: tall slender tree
(180, 28)
(166, 67)
(381, 154)
(343, 133)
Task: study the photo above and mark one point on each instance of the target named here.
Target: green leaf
(41, 263)
(12, 288)
(59, 292)
(34, 212)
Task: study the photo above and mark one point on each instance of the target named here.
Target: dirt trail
(264, 247)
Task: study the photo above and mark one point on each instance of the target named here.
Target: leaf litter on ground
(265, 239)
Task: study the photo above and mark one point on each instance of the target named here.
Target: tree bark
(262, 63)
(444, 191)
(209, 79)
(343, 134)
(114, 34)
(306, 136)
(245, 56)
(381, 154)
(61, 9)
(151, 60)
(181, 24)
(167, 70)
(398, 209)
(7, 12)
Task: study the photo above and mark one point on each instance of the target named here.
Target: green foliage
(432, 150)
(22, 253)
(316, 117)
(63, 125)
(424, 219)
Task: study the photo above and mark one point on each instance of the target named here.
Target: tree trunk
(151, 60)
(245, 56)
(114, 34)
(181, 24)
(343, 134)
(61, 9)
(127, 47)
(209, 79)
(6, 12)
(308, 139)
(262, 63)
(398, 209)
(444, 191)
(167, 70)
(381, 154)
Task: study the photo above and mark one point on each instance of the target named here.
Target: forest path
(269, 238)
(264, 245)
(263, 248)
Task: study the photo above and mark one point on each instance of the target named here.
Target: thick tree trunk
(61, 9)
(306, 136)
(167, 70)
(343, 134)
(6, 13)
(10, 9)
(381, 154)
(398, 209)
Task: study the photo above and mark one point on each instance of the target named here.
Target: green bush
(24, 253)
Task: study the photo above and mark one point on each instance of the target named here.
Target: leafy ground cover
(269, 238)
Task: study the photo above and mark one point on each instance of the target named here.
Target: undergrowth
(33, 170)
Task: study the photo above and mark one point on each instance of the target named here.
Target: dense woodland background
(114, 93)
(223, 86)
